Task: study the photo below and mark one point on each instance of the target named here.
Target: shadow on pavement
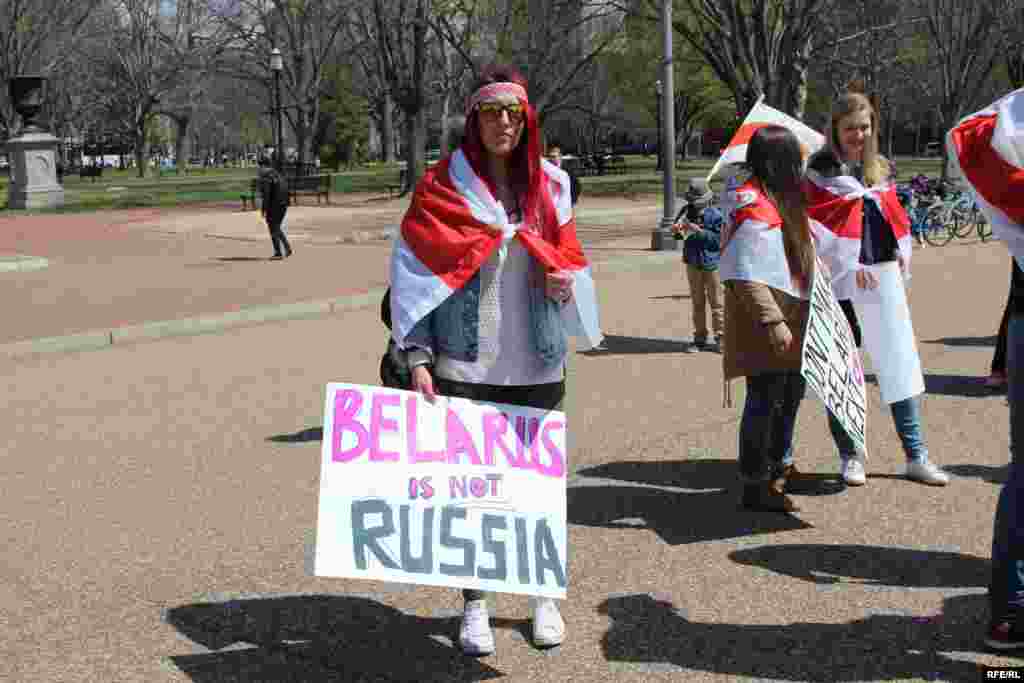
(870, 565)
(957, 385)
(304, 436)
(709, 510)
(651, 636)
(993, 475)
(616, 344)
(964, 341)
(320, 638)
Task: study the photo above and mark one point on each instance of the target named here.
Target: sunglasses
(491, 111)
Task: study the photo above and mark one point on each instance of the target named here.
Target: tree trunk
(416, 137)
(387, 130)
(182, 153)
(445, 133)
(139, 143)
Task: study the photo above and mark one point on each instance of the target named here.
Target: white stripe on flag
(756, 253)
(422, 290)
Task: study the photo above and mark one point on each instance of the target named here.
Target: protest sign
(889, 335)
(830, 361)
(455, 493)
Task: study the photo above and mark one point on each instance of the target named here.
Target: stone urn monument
(32, 153)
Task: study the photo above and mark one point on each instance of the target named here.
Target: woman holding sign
(868, 252)
(767, 264)
(488, 279)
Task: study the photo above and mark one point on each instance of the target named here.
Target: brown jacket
(750, 309)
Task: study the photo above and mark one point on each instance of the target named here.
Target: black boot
(768, 496)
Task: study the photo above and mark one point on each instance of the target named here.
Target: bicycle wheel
(937, 228)
(962, 219)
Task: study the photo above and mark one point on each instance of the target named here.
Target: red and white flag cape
(452, 227)
(837, 203)
(752, 246)
(987, 148)
(760, 116)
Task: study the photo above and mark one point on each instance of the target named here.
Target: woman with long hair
(488, 279)
(849, 190)
(767, 263)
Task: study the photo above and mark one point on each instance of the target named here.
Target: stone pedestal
(33, 184)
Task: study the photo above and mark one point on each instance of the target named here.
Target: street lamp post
(276, 65)
(657, 121)
(662, 238)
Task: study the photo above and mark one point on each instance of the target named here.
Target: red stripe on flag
(442, 232)
(997, 181)
(745, 132)
(844, 217)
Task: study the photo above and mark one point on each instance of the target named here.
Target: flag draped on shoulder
(752, 246)
(837, 204)
(987, 148)
(452, 227)
(760, 116)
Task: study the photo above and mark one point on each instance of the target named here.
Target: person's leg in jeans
(698, 301)
(906, 416)
(713, 288)
(765, 435)
(1006, 589)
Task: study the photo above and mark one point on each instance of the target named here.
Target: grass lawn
(123, 189)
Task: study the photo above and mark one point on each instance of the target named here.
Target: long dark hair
(775, 159)
(524, 162)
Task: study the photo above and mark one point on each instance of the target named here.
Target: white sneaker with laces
(548, 625)
(853, 472)
(926, 473)
(475, 636)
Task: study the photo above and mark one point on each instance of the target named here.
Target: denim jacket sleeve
(420, 342)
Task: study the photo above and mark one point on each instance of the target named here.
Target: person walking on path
(700, 226)
(849, 192)
(274, 190)
(997, 374)
(487, 280)
(767, 264)
(554, 155)
(987, 149)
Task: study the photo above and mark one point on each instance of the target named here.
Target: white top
(506, 351)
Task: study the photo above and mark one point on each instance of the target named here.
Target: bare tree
(964, 40)
(307, 32)
(37, 36)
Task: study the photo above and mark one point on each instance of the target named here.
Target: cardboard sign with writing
(831, 362)
(455, 493)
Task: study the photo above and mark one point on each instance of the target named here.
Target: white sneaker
(926, 473)
(548, 625)
(853, 472)
(475, 636)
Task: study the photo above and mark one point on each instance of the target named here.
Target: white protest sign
(888, 334)
(830, 361)
(460, 494)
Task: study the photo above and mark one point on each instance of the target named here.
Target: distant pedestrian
(978, 148)
(554, 155)
(274, 190)
(767, 263)
(700, 226)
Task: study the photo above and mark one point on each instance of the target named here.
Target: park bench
(317, 185)
(93, 172)
(617, 164)
(250, 196)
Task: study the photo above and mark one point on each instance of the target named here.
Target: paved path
(159, 498)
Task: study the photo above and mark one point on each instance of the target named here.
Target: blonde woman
(849, 190)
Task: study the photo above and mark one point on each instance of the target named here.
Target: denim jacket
(452, 329)
(701, 249)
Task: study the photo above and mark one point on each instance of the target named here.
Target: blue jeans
(906, 415)
(1006, 590)
(769, 418)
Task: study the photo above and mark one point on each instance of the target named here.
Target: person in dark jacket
(274, 190)
(700, 225)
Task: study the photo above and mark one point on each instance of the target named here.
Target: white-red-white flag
(760, 116)
(987, 148)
